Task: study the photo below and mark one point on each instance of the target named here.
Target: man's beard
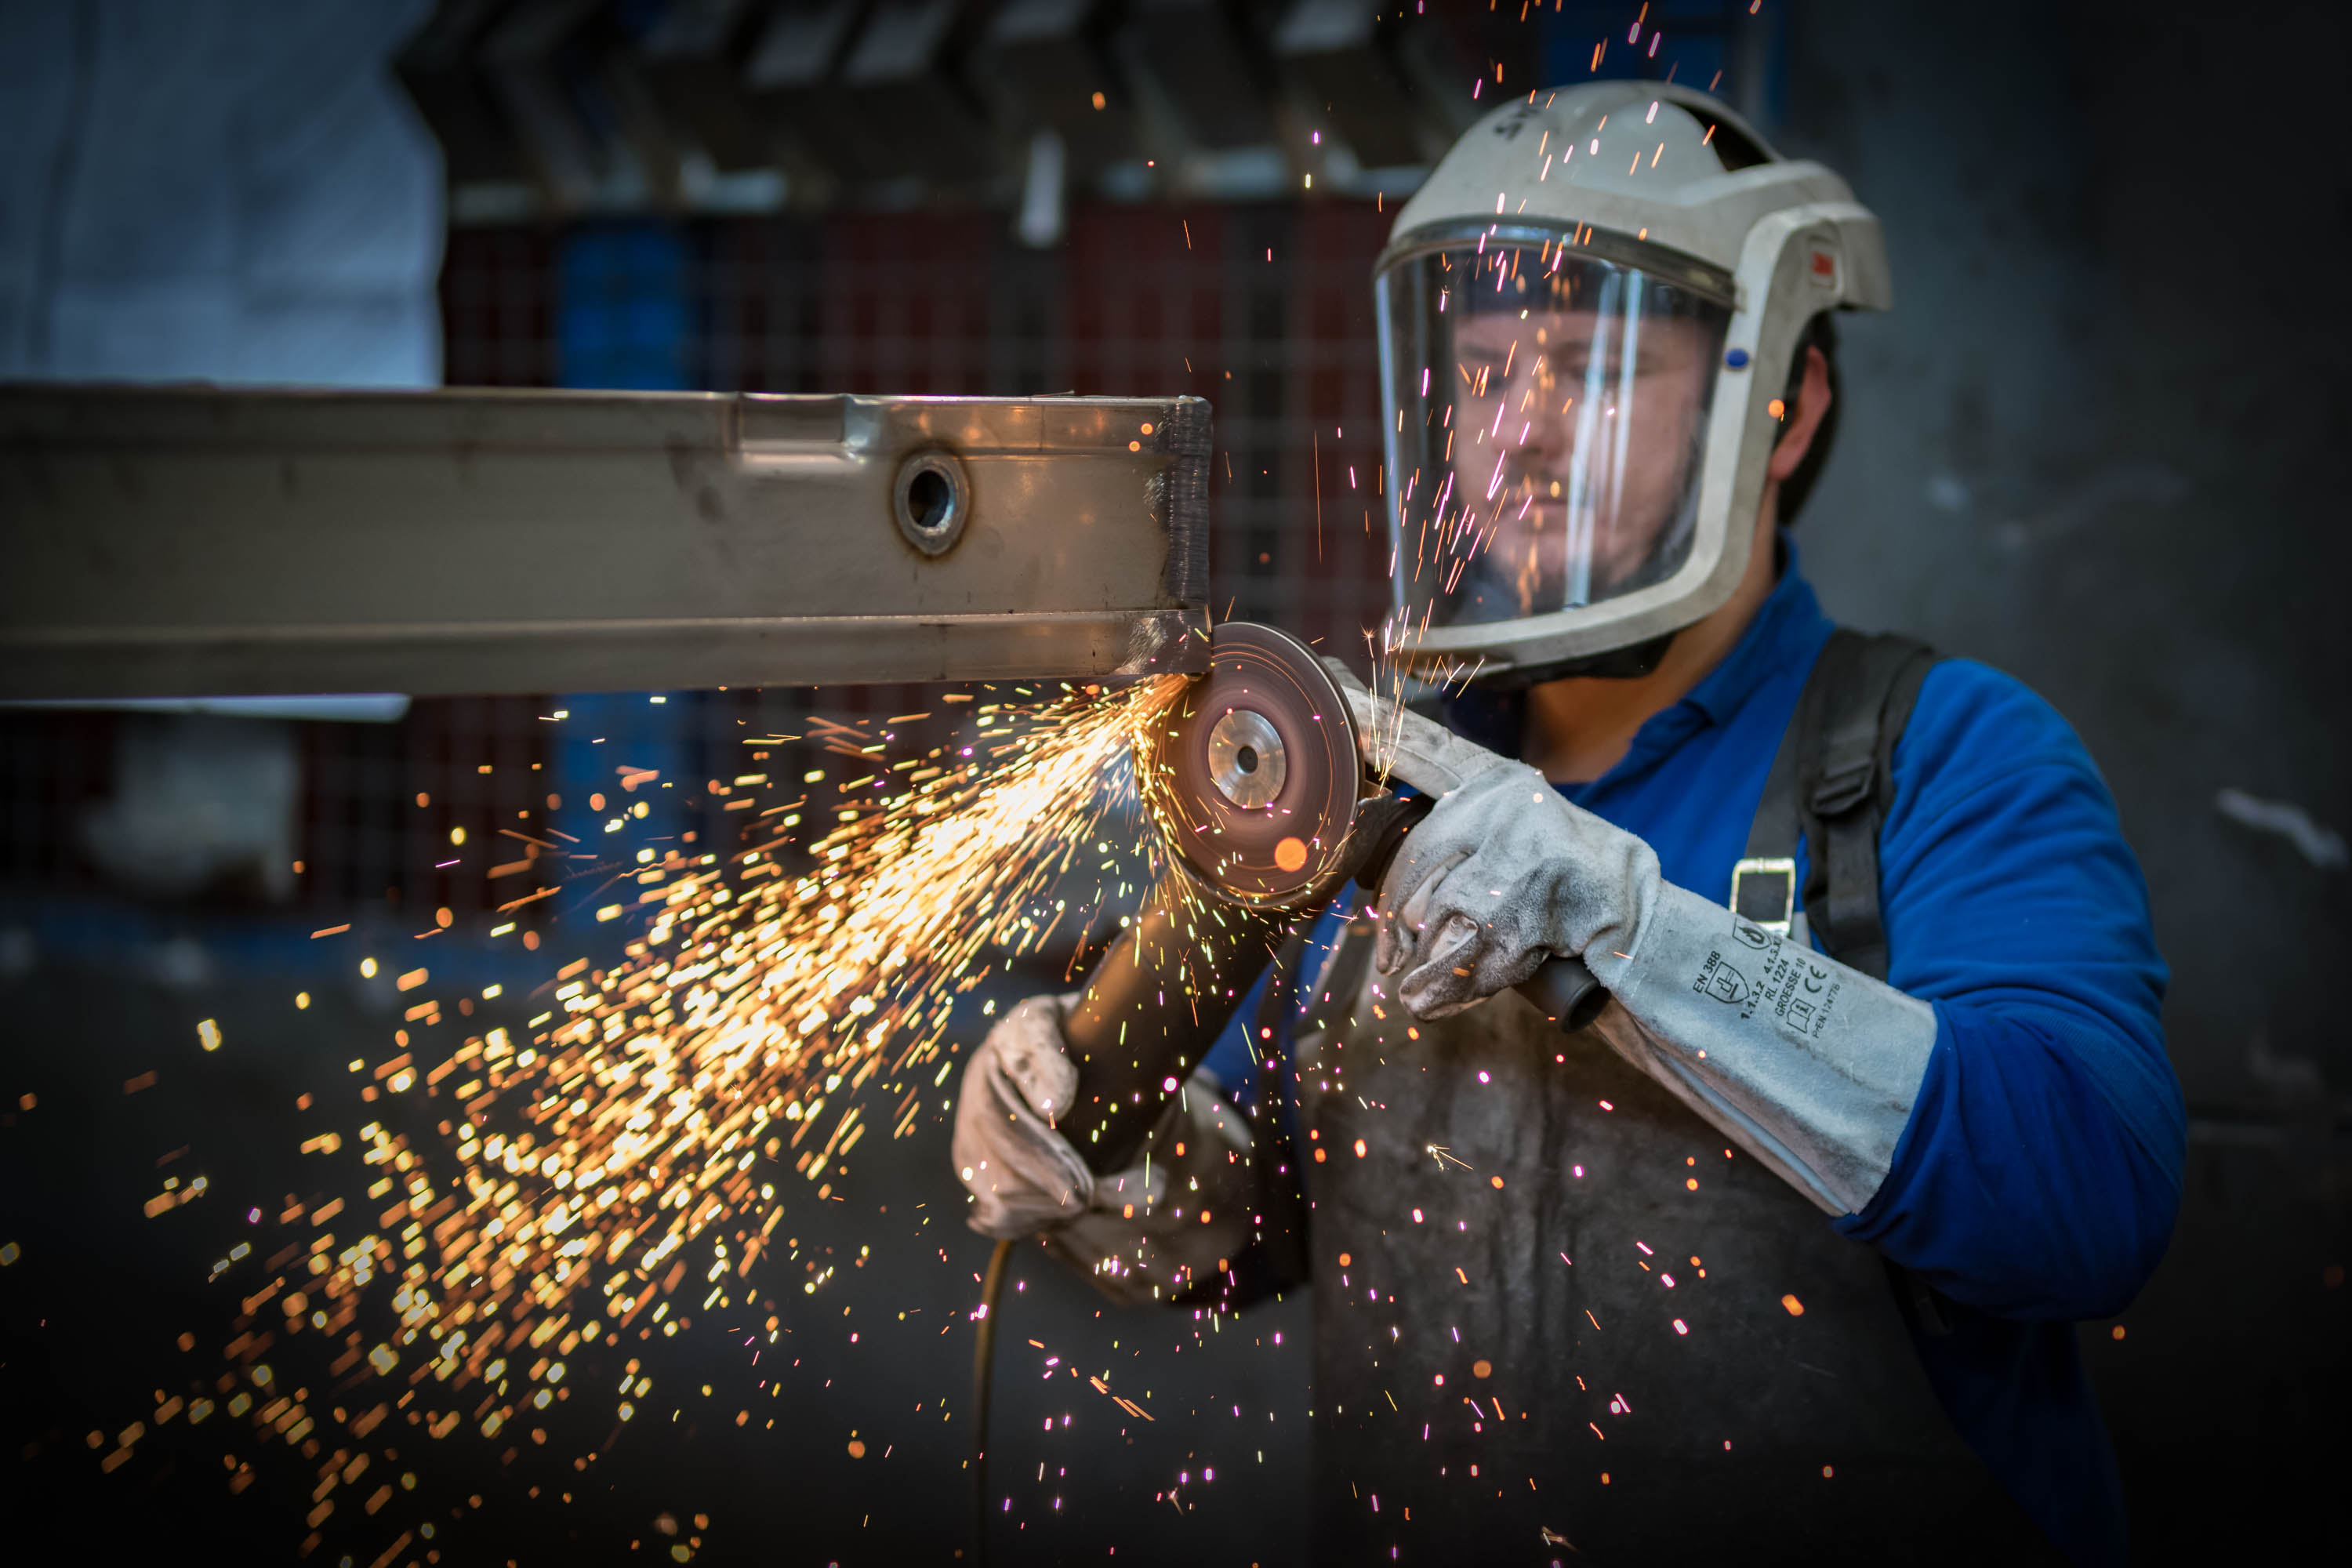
(1521, 569)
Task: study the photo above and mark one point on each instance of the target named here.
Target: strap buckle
(1848, 786)
(1764, 893)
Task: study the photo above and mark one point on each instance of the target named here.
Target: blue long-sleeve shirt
(2037, 1180)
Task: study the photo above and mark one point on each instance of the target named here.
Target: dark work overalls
(1561, 1318)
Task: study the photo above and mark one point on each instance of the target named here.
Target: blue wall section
(624, 321)
(623, 312)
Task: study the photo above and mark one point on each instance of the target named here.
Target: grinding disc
(1254, 777)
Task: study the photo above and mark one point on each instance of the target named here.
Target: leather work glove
(1501, 874)
(1811, 1066)
(1173, 1221)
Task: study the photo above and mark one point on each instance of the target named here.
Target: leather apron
(1558, 1320)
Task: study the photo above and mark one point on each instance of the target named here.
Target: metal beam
(189, 542)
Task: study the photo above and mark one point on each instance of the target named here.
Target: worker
(1783, 1259)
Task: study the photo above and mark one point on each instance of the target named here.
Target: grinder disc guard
(1254, 778)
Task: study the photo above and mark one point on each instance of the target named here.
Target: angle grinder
(1261, 782)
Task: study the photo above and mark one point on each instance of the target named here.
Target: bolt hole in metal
(933, 499)
(1246, 760)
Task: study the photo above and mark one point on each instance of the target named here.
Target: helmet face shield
(1586, 312)
(1548, 417)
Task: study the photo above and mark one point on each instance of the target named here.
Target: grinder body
(1136, 1031)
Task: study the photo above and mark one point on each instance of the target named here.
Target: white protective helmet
(1588, 316)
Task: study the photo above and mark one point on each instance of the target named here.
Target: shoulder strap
(1832, 781)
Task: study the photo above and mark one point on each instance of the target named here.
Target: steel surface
(187, 542)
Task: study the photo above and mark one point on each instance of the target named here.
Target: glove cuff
(1811, 1066)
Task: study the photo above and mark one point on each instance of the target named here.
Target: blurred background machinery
(2086, 447)
(565, 107)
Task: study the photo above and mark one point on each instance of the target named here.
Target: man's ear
(1801, 423)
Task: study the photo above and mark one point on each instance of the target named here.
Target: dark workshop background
(2099, 444)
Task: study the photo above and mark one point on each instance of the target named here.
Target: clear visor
(1545, 415)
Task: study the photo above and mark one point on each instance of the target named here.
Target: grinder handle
(1567, 992)
(1152, 1006)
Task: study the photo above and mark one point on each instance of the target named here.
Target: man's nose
(1528, 428)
